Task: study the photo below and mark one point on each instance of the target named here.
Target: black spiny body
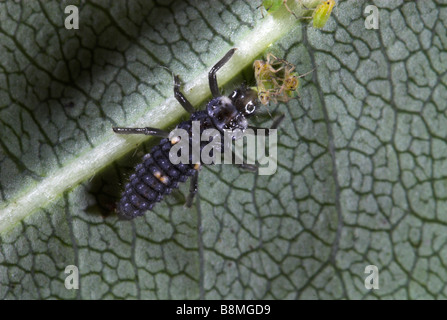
(156, 176)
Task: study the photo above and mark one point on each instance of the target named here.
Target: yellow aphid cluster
(320, 15)
(275, 80)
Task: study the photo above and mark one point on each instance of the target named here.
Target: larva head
(230, 113)
(221, 110)
(245, 99)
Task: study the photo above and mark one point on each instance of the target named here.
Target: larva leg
(212, 74)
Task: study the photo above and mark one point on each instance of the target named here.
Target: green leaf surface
(362, 157)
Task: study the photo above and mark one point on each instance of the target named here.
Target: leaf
(362, 156)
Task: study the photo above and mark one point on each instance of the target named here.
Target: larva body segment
(156, 176)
